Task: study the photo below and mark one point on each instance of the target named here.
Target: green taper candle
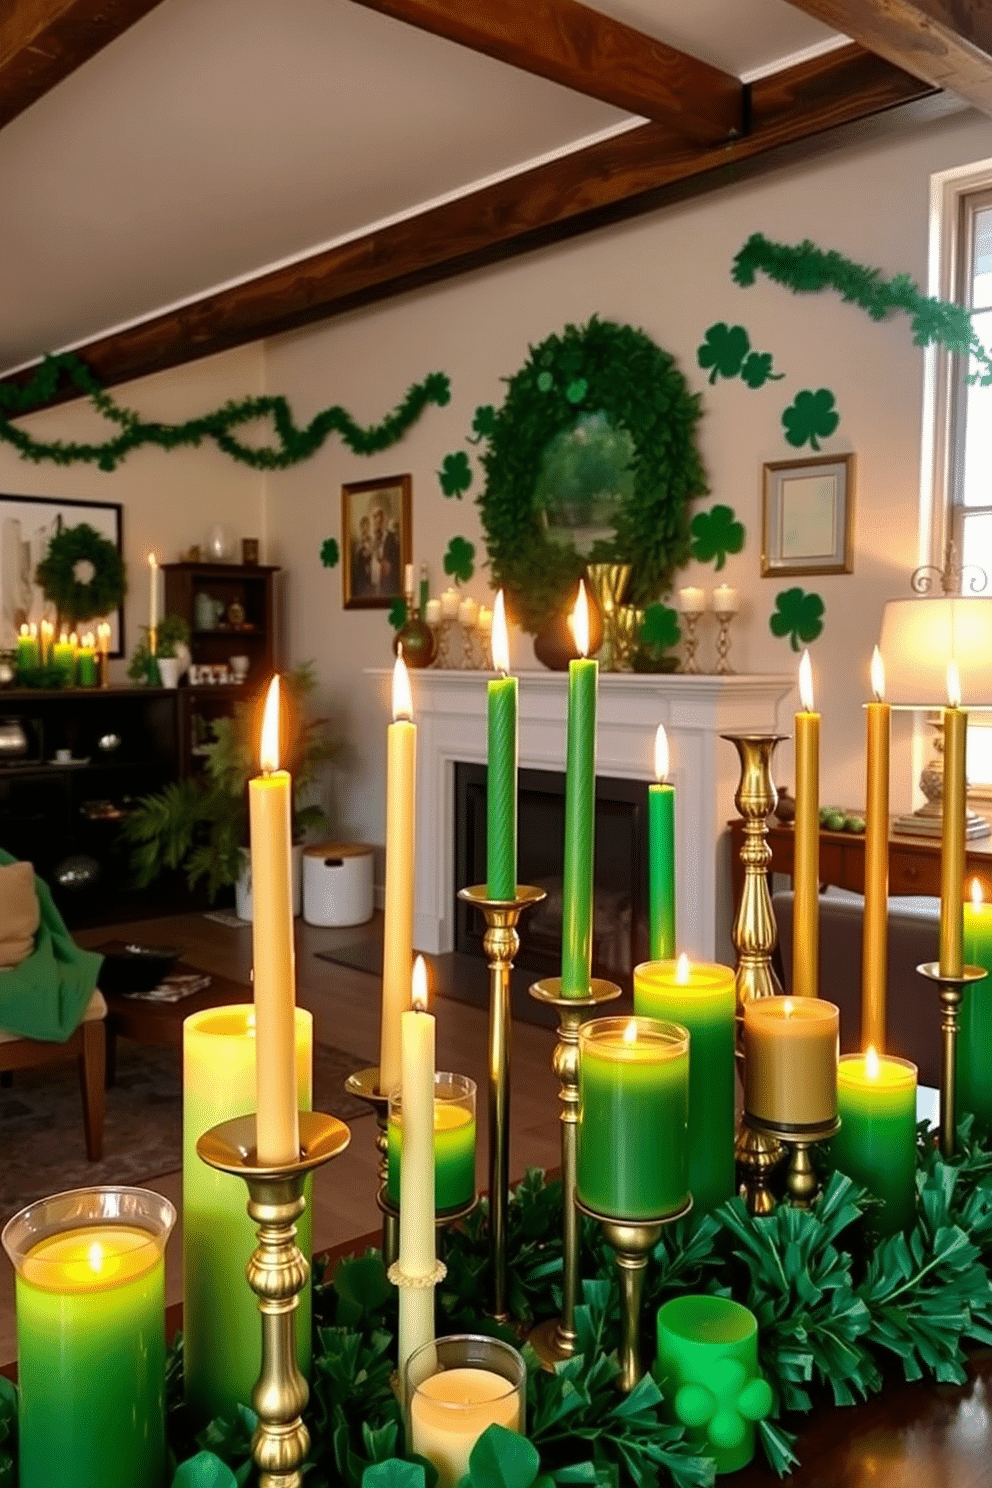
(501, 781)
(876, 1144)
(700, 996)
(975, 1036)
(580, 811)
(633, 1150)
(661, 855)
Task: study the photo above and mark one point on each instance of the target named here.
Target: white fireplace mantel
(450, 711)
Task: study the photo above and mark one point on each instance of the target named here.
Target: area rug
(42, 1149)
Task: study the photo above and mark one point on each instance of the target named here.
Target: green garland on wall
(292, 443)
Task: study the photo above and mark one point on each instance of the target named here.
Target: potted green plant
(171, 648)
(200, 825)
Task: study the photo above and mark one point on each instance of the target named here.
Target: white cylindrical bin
(337, 883)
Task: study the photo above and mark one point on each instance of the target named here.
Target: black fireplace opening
(620, 897)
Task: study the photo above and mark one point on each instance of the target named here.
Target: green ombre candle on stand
(501, 779)
(632, 1137)
(661, 855)
(876, 1144)
(702, 997)
(975, 1036)
(454, 1142)
(580, 810)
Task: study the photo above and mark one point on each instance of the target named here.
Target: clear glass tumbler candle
(455, 1388)
(91, 1338)
(454, 1143)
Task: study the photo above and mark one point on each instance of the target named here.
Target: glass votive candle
(791, 1048)
(632, 1138)
(90, 1287)
(455, 1388)
(454, 1142)
(876, 1144)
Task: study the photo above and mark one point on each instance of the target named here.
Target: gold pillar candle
(874, 945)
(806, 865)
(952, 849)
(397, 954)
(791, 1048)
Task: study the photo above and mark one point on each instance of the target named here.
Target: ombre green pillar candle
(501, 779)
(876, 1144)
(701, 997)
(454, 1142)
(632, 1139)
(661, 855)
(580, 812)
(975, 1036)
(222, 1335)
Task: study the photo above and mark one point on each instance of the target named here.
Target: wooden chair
(88, 1047)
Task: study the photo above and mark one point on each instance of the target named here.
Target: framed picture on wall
(27, 526)
(808, 516)
(375, 540)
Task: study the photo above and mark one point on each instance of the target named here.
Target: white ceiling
(217, 137)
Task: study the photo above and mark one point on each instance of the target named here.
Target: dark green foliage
(455, 474)
(459, 560)
(74, 600)
(715, 533)
(330, 553)
(797, 615)
(8, 1433)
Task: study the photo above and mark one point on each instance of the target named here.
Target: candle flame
(24, 630)
(682, 971)
(630, 1032)
(268, 753)
(661, 759)
(34, 631)
(871, 1062)
(578, 621)
(953, 684)
(878, 676)
(88, 639)
(250, 1022)
(402, 697)
(95, 1257)
(418, 995)
(500, 642)
(787, 1009)
(977, 897)
(74, 639)
(64, 638)
(806, 683)
(152, 561)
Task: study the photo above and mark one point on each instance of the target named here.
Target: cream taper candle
(806, 865)
(397, 956)
(417, 1256)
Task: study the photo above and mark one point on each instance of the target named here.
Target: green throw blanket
(46, 996)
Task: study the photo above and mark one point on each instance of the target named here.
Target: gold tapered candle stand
(950, 990)
(632, 1241)
(500, 944)
(277, 1274)
(365, 1084)
(555, 1339)
(801, 1183)
(755, 936)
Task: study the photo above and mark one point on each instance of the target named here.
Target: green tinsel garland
(293, 444)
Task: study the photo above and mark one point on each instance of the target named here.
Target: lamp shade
(920, 636)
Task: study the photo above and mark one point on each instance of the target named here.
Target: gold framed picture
(376, 541)
(808, 516)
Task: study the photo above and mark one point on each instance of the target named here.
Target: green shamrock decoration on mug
(725, 1405)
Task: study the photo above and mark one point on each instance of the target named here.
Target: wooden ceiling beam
(43, 41)
(947, 43)
(632, 173)
(591, 53)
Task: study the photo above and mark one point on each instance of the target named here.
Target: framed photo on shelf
(376, 541)
(808, 516)
(27, 526)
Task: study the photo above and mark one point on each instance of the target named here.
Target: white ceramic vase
(169, 668)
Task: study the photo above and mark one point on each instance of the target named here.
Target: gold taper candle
(806, 869)
(273, 953)
(874, 945)
(401, 795)
(952, 840)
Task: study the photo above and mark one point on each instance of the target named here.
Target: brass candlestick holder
(723, 619)
(691, 619)
(632, 1241)
(755, 935)
(555, 1339)
(950, 989)
(801, 1183)
(365, 1084)
(277, 1273)
(609, 583)
(500, 944)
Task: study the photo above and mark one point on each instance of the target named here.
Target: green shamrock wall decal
(459, 560)
(715, 533)
(329, 552)
(725, 1403)
(797, 615)
(757, 369)
(455, 474)
(727, 352)
(661, 628)
(483, 422)
(397, 613)
(810, 415)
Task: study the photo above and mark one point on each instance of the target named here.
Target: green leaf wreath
(82, 574)
(617, 371)
(797, 615)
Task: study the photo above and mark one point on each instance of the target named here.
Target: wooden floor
(345, 1006)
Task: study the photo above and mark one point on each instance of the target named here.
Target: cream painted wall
(169, 500)
(669, 273)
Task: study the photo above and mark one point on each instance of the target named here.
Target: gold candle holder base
(364, 1084)
(632, 1241)
(500, 943)
(801, 1183)
(277, 1273)
(555, 1339)
(950, 989)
